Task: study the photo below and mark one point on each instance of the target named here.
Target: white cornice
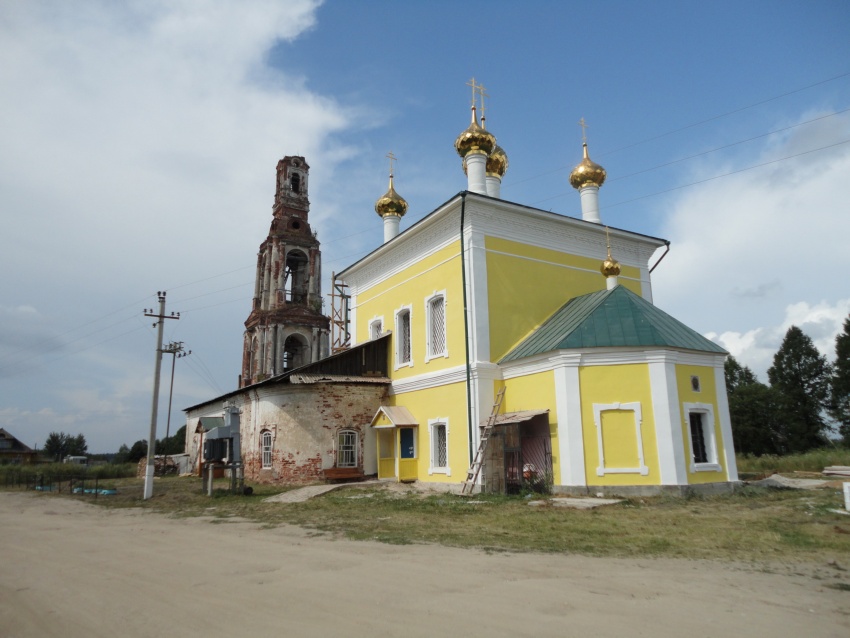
(497, 218)
(429, 380)
(607, 357)
(505, 220)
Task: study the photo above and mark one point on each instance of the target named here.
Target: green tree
(800, 375)
(59, 445)
(753, 409)
(122, 455)
(839, 399)
(174, 444)
(78, 446)
(138, 451)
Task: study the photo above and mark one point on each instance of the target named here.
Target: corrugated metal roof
(518, 417)
(335, 378)
(610, 318)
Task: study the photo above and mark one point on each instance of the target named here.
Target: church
(489, 346)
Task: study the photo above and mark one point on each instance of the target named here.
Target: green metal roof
(610, 319)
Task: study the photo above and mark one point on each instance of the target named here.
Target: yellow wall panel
(445, 402)
(707, 394)
(527, 284)
(628, 383)
(411, 287)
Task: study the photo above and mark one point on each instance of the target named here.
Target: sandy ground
(70, 569)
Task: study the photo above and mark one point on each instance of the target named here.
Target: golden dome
(497, 162)
(474, 139)
(610, 266)
(391, 203)
(587, 173)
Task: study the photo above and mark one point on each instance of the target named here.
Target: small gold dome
(497, 162)
(391, 203)
(587, 173)
(474, 139)
(610, 267)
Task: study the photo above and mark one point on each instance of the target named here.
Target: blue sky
(139, 141)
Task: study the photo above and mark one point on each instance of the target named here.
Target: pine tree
(800, 375)
(839, 400)
(754, 410)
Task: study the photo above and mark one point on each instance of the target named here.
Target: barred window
(376, 328)
(699, 451)
(347, 448)
(436, 326)
(403, 337)
(439, 446)
(701, 437)
(266, 447)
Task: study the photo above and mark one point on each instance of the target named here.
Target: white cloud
(764, 249)
(139, 145)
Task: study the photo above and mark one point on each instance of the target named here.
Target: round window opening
(296, 224)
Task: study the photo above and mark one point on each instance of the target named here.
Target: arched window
(347, 448)
(266, 448)
(376, 328)
(295, 183)
(296, 277)
(296, 352)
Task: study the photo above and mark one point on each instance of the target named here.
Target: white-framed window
(435, 326)
(347, 448)
(376, 327)
(266, 448)
(699, 424)
(619, 425)
(439, 431)
(403, 344)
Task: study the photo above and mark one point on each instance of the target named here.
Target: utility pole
(175, 349)
(160, 317)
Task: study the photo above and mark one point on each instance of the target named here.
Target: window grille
(437, 317)
(267, 449)
(440, 442)
(346, 453)
(700, 451)
(404, 337)
(376, 328)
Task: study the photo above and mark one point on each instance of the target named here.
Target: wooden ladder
(475, 468)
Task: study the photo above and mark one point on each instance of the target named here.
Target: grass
(752, 524)
(812, 461)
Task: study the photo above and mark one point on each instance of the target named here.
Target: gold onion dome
(587, 173)
(610, 266)
(497, 161)
(391, 203)
(474, 139)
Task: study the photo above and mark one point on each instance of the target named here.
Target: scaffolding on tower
(340, 336)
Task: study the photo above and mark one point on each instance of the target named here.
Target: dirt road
(73, 569)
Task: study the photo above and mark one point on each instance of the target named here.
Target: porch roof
(397, 415)
(518, 417)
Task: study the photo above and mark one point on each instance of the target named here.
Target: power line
(709, 179)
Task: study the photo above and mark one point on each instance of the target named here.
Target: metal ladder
(475, 468)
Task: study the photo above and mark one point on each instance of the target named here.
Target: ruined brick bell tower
(286, 328)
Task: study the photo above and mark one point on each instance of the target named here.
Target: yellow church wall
(439, 271)
(618, 384)
(446, 402)
(535, 392)
(527, 284)
(707, 395)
